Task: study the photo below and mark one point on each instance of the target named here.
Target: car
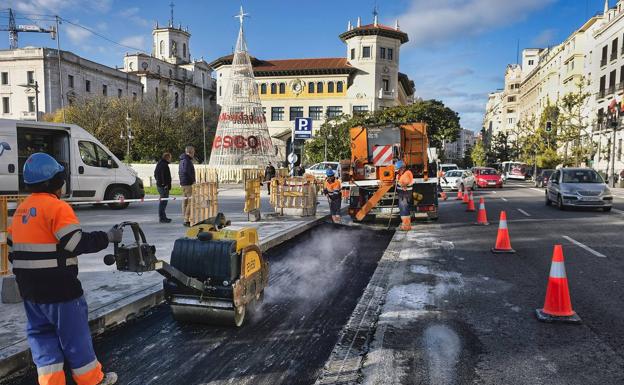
(450, 181)
(542, 177)
(467, 180)
(487, 177)
(444, 167)
(578, 187)
(319, 169)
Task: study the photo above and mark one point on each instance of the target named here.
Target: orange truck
(370, 174)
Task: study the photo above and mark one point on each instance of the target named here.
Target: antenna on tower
(171, 5)
(375, 15)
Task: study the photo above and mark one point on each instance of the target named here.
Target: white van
(93, 172)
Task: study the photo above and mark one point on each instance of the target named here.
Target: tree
(477, 155)
(500, 151)
(574, 127)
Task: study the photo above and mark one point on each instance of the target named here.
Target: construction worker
(44, 240)
(332, 189)
(405, 180)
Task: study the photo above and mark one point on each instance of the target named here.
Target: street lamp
(34, 86)
(614, 121)
(128, 136)
(330, 137)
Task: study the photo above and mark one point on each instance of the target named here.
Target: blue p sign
(303, 128)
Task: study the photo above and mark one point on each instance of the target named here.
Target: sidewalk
(115, 297)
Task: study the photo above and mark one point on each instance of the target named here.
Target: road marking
(579, 244)
(524, 212)
(503, 198)
(617, 211)
(536, 189)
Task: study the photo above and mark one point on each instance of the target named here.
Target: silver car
(578, 187)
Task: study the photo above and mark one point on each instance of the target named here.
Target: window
(162, 47)
(5, 78)
(382, 53)
(219, 90)
(614, 49)
(531, 62)
(31, 104)
(70, 81)
(273, 88)
(176, 100)
(296, 112)
(277, 113)
(263, 88)
(119, 93)
(282, 88)
(338, 86)
(510, 120)
(352, 53)
(30, 77)
(603, 83)
(357, 110)
(366, 52)
(319, 87)
(315, 112)
(6, 105)
(511, 99)
(612, 82)
(334, 111)
(330, 87)
(603, 60)
(88, 85)
(104, 89)
(236, 89)
(390, 54)
(93, 155)
(184, 50)
(385, 84)
(311, 87)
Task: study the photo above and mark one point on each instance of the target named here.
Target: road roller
(216, 272)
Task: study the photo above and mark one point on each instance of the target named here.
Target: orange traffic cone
(557, 305)
(482, 214)
(466, 197)
(471, 206)
(460, 196)
(503, 244)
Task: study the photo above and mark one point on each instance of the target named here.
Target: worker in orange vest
(44, 241)
(333, 191)
(405, 180)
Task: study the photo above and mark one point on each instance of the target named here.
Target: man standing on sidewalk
(45, 240)
(162, 174)
(405, 180)
(186, 172)
(269, 173)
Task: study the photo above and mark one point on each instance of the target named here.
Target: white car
(319, 169)
(450, 181)
(467, 180)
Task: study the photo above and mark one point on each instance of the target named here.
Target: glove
(115, 234)
(325, 191)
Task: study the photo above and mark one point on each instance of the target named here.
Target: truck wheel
(117, 193)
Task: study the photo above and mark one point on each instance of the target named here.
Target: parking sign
(303, 128)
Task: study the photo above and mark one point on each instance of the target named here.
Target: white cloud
(545, 38)
(433, 22)
(75, 34)
(56, 6)
(132, 14)
(135, 41)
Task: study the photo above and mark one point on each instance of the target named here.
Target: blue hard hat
(330, 172)
(40, 167)
(399, 164)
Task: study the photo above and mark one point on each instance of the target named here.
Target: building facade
(23, 70)
(511, 99)
(367, 78)
(492, 119)
(456, 151)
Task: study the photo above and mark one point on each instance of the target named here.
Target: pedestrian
(186, 173)
(404, 182)
(333, 189)
(162, 174)
(299, 170)
(269, 173)
(44, 241)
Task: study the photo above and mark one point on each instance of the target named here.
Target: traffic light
(548, 126)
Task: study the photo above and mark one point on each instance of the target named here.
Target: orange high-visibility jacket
(405, 179)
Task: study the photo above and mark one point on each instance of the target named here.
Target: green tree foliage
(500, 150)
(442, 122)
(574, 132)
(156, 125)
(477, 154)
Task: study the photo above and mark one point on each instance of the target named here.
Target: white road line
(579, 244)
(503, 198)
(524, 212)
(617, 211)
(536, 189)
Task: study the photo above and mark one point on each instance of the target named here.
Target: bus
(514, 170)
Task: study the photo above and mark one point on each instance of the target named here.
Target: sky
(457, 53)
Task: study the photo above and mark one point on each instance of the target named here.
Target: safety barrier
(294, 195)
(203, 201)
(5, 200)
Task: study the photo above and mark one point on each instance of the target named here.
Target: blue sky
(457, 52)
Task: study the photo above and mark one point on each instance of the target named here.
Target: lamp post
(34, 86)
(615, 123)
(330, 137)
(128, 136)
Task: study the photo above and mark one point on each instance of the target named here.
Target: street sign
(292, 158)
(303, 128)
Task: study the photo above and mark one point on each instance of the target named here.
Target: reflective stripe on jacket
(333, 188)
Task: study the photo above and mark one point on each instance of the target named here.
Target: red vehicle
(487, 177)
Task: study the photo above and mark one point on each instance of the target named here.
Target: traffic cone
(557, 305)
(466, 197)
(503, 244)
(482, 214)
(460, 196)
(443, 195)
(471, 206)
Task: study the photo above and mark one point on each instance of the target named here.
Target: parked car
(487, 177)
(450, 181)
(444, 167)
(319, 169)
(467, 179)
(578, 187)
(542, 177)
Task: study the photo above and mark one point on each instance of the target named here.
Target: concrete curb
(345, 361)
(111, 315)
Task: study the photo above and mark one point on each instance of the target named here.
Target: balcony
(620, 86)
(611, 90)
(603, 62)
(613, 56)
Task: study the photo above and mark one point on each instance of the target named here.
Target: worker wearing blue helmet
(404, 184)
(333, 190)
(44, 241)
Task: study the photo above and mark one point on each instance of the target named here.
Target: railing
(613, 56)
(620, 86)
(611, 90)
(603, 62)
(601, 94)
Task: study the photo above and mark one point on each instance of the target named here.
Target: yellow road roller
(216, 272)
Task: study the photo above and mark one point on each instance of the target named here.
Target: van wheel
(117, 193)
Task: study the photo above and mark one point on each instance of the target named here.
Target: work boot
(165, 220)
(406, 223)
(110, 378)
(336, 219)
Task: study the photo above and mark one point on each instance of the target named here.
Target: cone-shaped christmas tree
(242, 138)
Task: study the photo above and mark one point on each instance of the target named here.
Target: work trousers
(59, 332)
(162, 205)
(335, 201)
(405, 202)
(186, 204)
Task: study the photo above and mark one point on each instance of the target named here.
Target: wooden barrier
(5, 202)
(203, 202)
(294, 195)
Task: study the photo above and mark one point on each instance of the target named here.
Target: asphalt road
(478, 325)
(316, 280)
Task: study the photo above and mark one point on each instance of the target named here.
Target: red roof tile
(313, 65)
